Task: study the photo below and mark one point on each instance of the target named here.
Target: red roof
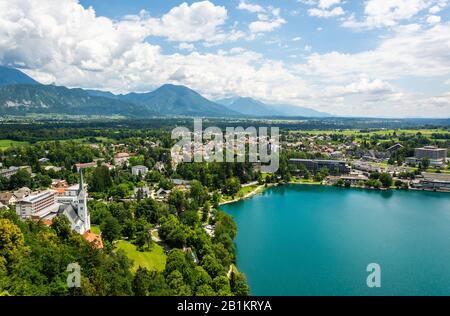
(94, 239)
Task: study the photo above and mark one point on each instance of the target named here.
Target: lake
(318, 240)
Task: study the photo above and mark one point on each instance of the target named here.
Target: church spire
(83, 211)
(81, 187)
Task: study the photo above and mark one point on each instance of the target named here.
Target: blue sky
(373, 57)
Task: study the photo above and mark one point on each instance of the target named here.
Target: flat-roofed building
(316, 165)
(36, 204)
(436, 156)
(432, 182)
(430, 152)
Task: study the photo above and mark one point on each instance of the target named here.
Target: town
(121, 190)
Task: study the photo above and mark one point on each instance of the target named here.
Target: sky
(383, 58)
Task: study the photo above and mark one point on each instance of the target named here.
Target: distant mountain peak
(10, 76)
(252, 107)
(170, 99)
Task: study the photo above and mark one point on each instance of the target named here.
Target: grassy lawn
(305, 181)
(359, 136)
(242, 192)
(154, 260)
(6, 143)
(95, 229)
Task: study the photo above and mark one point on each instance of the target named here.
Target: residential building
(145, 191)
(437, 156)
(316, 165)
(432, 182)
(22, 193)
(393, 149)
(139, 171)
(8, 198)
(162, 194)
(8, 173)
(159, 166)
(121, 159)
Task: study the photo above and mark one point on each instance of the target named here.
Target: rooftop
(36, 197)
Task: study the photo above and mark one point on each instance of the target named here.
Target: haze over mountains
(252, 107)
(21, 95)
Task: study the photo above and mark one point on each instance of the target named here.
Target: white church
(48, 204)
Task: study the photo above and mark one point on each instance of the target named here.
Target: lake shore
(261, 188)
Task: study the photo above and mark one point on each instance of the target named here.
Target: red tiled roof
(94, 239)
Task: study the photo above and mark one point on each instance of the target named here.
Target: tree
(190, 218)
(198, 193)
(110, 228)
(41, 181)
(21, 179)
(239, 284)
(212, 266)
(425, 163)
(143, 237)
(101, 180)
(232, 186)
(204, 290)
(176, 283)
(386, 180)
(173, 232)
(398, 183)
(141, 282)
(61, 225)
(11, 240)
(374, 175)
(221, 285)
(177, 199)
(205, 212)
(129, 229)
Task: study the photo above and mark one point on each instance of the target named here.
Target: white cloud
(297, 39)
(186, 46)
(269, 19)
(382, 13)
(266, 26)
(253, 8)
(70, 45)
(434, 9)
(361, 85)
(197, 22)
(324, 13)
(433, 19)
(325, 4)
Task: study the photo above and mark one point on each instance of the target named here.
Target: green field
(6, 143)
(242, 192)
(154, 260)
(357, 133)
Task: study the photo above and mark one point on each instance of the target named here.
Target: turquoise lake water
(314, 240)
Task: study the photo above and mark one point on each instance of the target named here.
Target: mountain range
(252, 107)
(21, 95)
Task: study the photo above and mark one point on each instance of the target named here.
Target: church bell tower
(82, 208)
